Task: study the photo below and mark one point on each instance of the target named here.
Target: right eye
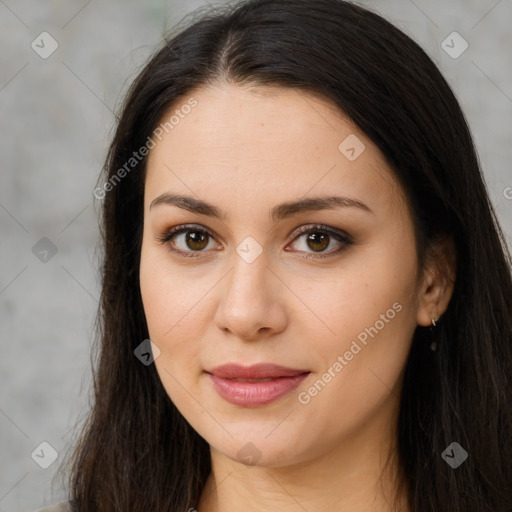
(193, 240)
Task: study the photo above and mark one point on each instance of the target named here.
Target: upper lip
(256, 371)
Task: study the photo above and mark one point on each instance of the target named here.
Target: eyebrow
(279, 212)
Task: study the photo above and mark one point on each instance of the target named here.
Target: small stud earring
(433, 345)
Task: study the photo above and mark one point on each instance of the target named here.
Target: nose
(251, 304)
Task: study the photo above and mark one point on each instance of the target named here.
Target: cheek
(165, 308)
(367, 288)
(156, 296)
(167, 297)
(359, 367)
(173, 309)
(371, 314)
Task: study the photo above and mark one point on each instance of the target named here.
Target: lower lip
(254, 394)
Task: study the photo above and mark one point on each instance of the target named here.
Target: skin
(245, 151)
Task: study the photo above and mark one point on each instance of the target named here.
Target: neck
(359, 475)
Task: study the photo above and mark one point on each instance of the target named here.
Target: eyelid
(306, 228)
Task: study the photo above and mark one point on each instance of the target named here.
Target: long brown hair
(136, 452)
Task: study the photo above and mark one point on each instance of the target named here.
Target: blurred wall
(64, 66)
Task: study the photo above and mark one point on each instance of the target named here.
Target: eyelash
(341, 237)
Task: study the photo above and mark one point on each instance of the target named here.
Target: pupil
(318, 238)
(196, 240)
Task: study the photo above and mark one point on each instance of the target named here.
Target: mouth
(254, 373)
(256, 388)
(253, 380)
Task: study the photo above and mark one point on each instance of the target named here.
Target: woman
(306, 294)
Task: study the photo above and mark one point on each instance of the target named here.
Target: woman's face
(243, 285)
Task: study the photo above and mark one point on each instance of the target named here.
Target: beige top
(63, 506)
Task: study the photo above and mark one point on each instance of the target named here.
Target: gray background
(56, 119)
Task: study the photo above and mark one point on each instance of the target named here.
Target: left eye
(319, 238)
(196, 240)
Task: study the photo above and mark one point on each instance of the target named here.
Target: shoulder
(63, 506)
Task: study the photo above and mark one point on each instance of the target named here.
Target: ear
(438, 282)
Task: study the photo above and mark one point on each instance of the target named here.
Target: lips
(255, 373)
(256, 385)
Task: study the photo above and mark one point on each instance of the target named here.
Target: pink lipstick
(256, 385)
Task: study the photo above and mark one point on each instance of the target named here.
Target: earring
(433, 345)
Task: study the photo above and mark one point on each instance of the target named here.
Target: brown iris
(196, 240)
(317, 241)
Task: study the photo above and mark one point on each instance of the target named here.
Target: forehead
(266, 143)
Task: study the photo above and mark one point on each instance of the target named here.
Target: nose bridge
(249, 275)
(249, 300)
